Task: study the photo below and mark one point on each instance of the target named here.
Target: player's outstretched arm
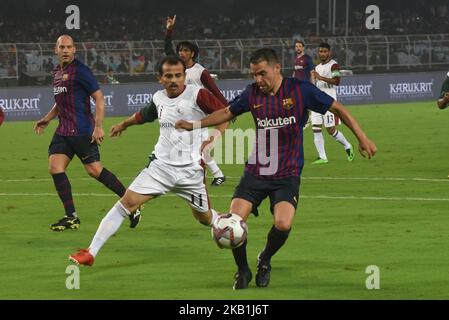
(41, 124)
(367, 148)
(215, 118)
(117, 129)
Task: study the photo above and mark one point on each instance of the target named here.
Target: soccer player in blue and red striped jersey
(279, 107)
(303, 62)
(78, 133)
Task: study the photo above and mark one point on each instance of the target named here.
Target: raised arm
(168, 45)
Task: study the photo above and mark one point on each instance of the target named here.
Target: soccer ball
(229, 231)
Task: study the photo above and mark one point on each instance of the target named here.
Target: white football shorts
(328, 119)
(186, 181)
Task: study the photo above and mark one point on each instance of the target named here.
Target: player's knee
(130, 205)
(93, 171)
(52, 169)
(331, 130)
(283, 224)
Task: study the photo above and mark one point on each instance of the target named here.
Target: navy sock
(275, 240)
(240, 257)
(64, 189)
(111, 182)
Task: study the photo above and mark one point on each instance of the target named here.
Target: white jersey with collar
(179, 147)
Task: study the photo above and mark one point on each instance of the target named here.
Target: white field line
(230, 196)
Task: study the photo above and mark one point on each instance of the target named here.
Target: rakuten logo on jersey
(275, 123)
(58, 90)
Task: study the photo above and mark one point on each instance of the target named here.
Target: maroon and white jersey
(329, 70)
(200, 76)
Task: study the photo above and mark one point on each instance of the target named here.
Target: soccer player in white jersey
(327, 77)
(200, 76)
(175, 164)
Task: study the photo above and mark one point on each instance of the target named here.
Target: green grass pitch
(391, 211)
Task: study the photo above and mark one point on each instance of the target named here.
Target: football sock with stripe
(275, 240)
(64, 189)
(111, 182)
(240, 257)
(341, 139)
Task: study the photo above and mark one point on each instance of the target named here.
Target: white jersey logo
(179, 147)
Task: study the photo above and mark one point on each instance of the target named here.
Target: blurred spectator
(110, 79)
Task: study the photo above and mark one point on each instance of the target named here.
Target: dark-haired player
(327, 77)
(198, 75)
(175, 163)
(279, 107)
(303, 62)
(78, 133)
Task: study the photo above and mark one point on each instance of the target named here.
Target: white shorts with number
(187, 182)
(328, 119)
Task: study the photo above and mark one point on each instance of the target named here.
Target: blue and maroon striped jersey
(72, 87)
(303, 66)
(278, 151)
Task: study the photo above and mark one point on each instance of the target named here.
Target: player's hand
(182, 124)
(97, 136)
(116, 130)
(208, 145)
(40, 125)
(446, 97)
(367, 148)
(315, 75)
(171, 22)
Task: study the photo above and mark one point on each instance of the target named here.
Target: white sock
(108, 226)
(214, 216)
(341, 139)
(214, 169)
(319, 144)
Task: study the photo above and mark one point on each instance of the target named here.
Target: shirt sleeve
(208, 102)
(240, 104)
(315, 99)
(210, 85)
(168, 45)
(87, 80)
(310, 65)
(335, 71)
(147, 113)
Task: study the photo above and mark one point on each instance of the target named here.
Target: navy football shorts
(255, 190)
(86, 151)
